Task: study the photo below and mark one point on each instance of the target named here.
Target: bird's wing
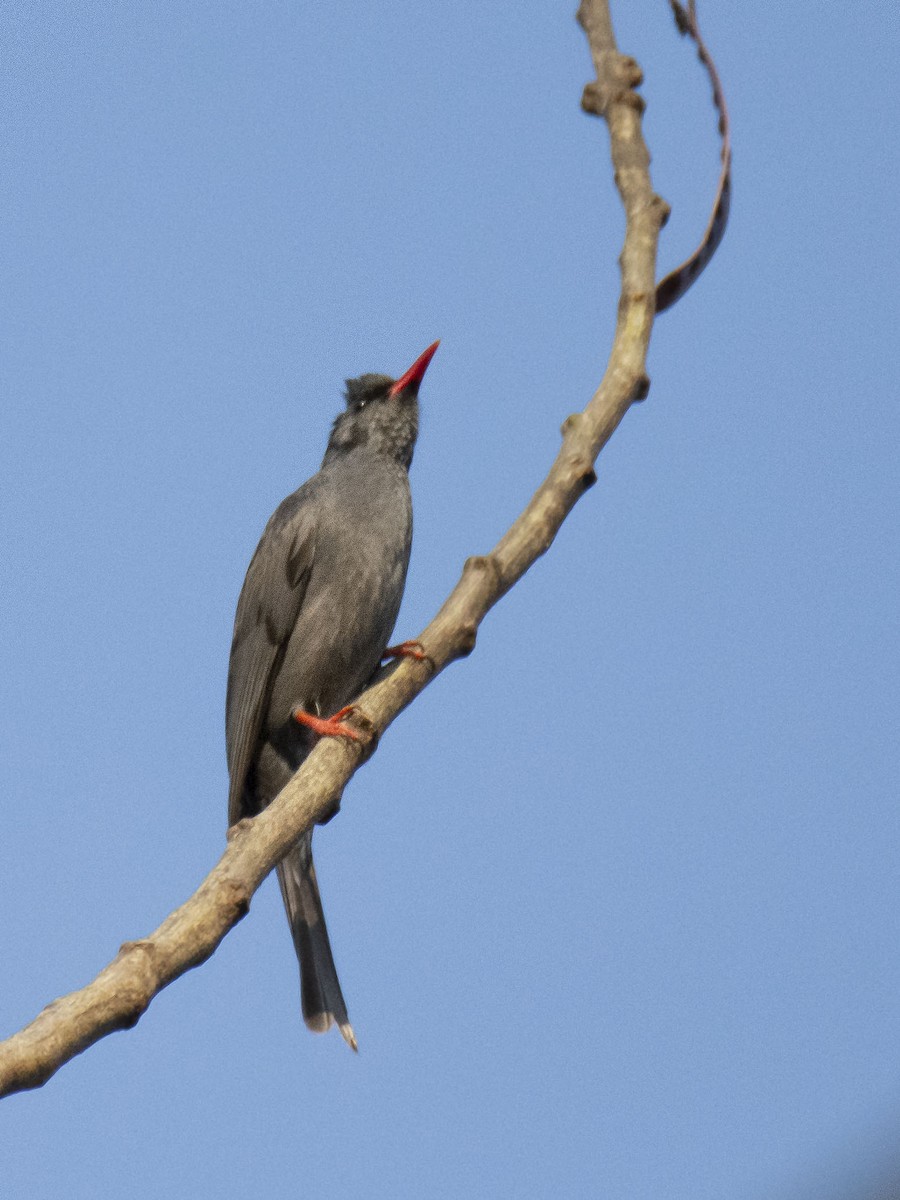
(267, 611)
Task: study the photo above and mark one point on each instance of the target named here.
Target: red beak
(413, 377)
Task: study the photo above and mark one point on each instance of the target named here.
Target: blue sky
(615, 906)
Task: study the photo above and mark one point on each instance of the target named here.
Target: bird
(313, 621)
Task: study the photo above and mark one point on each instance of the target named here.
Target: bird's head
(382, 414)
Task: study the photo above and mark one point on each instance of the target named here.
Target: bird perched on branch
(313, 620)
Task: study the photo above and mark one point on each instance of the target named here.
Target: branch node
(239, 829)
(368, 736)
(617, 76)
(571, 424)
(663, 209)
(143, 944)
(236, 896)
(632, 300)
(484, 564)
(332, 811)
(583, 471)
(465, 642)
(129, 1019)
(595, 98)
(629, 70)
(641, 389)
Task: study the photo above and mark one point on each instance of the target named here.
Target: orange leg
(406, 650)
(327, 726)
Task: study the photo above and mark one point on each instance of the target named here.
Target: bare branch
(120, 994)
(677, 282)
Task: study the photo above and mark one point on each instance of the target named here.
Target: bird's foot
(406, 650)
(328, 726)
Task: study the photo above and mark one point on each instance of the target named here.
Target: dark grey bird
(313, 622)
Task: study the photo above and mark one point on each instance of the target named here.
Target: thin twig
(677, 282)
(118, 996)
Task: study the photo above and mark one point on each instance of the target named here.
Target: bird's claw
(334, 726)
(409, 649)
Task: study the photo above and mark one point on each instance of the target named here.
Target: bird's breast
(352, 597)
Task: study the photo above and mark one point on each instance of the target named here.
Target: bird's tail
(320, 990)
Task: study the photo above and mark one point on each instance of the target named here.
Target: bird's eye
(360, 405)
